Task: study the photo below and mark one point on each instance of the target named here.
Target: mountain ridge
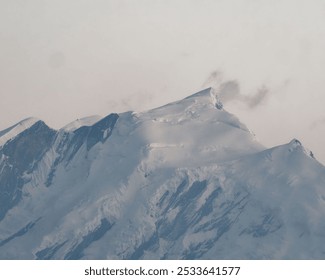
(186, 180)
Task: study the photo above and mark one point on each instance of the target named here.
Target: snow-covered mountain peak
(28, 121)
(202, 106)
(291, 155)
(207, 96)
(195, 126)
(16, 129)
(296, 145)
(183, 181)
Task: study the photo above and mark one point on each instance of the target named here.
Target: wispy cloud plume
(230, 90)
(257, 99)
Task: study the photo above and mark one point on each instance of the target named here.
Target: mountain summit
(183, 181)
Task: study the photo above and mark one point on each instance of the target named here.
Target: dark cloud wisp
(230, 91)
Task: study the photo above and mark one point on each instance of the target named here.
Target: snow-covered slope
(87, 121)
(184, 181)
(16, 129)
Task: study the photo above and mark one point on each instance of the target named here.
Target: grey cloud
(258, 97)
(213, 80)
(230, 90)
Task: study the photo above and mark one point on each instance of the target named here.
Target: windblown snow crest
(183, 181)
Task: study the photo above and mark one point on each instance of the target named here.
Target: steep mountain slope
(13, 131)
(183, 181)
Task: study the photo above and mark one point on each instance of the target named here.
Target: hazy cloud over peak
(257, 98)
(230, 90)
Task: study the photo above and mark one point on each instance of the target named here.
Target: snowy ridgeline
(183, 181)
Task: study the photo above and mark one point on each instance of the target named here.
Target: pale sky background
(65, 59)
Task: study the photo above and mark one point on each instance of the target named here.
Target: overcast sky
(66, 59)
